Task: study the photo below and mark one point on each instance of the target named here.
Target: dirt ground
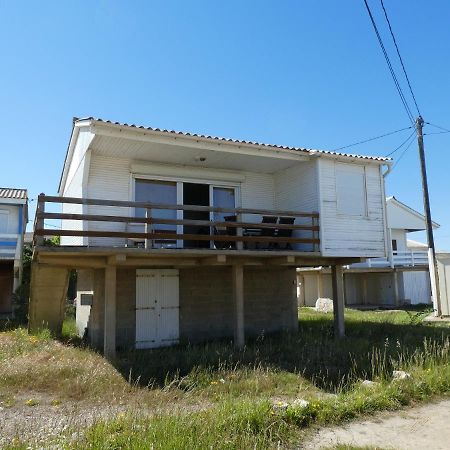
(423, 427)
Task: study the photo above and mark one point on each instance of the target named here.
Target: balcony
(8, 246)
(164, 227)
(399, 259)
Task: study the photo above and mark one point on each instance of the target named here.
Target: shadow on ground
(313, 352)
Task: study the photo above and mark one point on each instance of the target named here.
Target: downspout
(388, 230)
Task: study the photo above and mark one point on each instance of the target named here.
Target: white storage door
(157, 308)
(146, 314)
(169, 328)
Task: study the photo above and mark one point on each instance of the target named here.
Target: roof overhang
(402, 216)
(174, 147)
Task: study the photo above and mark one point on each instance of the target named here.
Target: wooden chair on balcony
(222, 230)
(265, 232)
(285, 232)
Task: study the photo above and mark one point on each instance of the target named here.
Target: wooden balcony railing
(234, 233)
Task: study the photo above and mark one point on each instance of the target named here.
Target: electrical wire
(371, 139)
(436, 132)
(400, 57)
(402, 154)
(437, 126)
(402, 144)
(51, 225)
(388, 61)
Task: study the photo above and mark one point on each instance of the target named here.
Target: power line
(437, 126)
(51, 225)
(403, 153)
(399, 56)
(436, 132)
(402, 144)
(388, 61)
(371, 139)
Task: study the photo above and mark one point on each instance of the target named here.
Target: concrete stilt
(337, 275)
(238, 296)
(109, 343)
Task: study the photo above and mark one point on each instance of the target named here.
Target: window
(351, 190)
(223, 197)
(4, 216)
(152, 191)
(394, 245)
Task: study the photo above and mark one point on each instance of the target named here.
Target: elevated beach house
(400, 278)
(13, 221)
(179, 237)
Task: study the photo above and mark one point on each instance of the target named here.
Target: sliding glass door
(162, 192)
(185, 193)
(223, 197)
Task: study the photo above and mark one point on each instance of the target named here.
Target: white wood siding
(75, 186)
(111, 178)
(400, 237)
(296, 190)
(346, 235)
(417, 287)
(10, 218)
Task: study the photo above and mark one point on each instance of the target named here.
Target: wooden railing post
(239, 233)
(148, 215)
(39, 222)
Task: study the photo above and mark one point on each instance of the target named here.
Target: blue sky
(306, 73)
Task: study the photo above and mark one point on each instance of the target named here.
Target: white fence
(399, 259)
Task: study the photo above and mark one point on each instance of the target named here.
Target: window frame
(339, 211)
(5, 213)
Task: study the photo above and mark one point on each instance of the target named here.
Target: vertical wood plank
(39, 225)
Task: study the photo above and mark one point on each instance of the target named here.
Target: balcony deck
(399, 259)
(8, 246)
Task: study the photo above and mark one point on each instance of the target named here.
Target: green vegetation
(214, 396)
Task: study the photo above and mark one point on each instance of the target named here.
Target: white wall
(417, 287)
(444, 282)
(12, 213)
(400, 237)
(346, 235)
(309, 287)
(111, 178)
(296, 190)
(75, 186)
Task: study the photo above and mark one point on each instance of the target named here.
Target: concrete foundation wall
(206, 303)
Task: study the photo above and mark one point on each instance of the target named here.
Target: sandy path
(423, 427)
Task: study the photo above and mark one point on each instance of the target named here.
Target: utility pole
(432, 261)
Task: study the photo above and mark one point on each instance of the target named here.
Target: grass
(235, 393)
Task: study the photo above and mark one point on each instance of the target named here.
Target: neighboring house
(400, 278)
(13, 221)
(184, 237)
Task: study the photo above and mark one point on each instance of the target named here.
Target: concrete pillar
(365, 298)
(238, 297)
(337, 275)
(395, 286)
(109, 341)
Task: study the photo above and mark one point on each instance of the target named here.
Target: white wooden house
(206, 234)
(402, 277)
(13, 220)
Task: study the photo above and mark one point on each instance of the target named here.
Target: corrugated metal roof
(20, 194)
(236, 141)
